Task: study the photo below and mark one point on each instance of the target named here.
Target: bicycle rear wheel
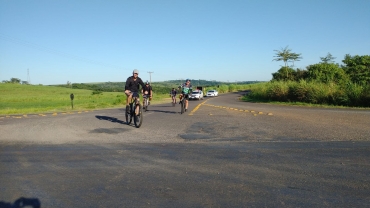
(138, 118)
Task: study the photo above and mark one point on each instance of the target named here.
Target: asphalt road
(221, 153)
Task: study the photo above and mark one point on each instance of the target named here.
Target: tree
(285, 55)
(326, 73)
(284, 73)
(15, 80)
(328, 58)
(69, 84)
(295, 57)
(358, 68)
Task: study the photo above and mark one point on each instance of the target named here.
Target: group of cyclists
(134, 82)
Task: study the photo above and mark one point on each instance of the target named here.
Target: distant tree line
(15, 81)
(158, 87)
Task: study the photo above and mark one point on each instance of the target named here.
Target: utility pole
(28, 77)
(150, 77)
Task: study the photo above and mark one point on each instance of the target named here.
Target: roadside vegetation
(324, 83)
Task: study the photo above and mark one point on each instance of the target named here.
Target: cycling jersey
(173, 93)
(147, 89)
(133, 85)
(186, 89)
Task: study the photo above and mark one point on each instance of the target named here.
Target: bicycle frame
(133, 106)
(183, 104)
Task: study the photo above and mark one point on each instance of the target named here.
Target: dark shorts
(186, 96)
(135, 94)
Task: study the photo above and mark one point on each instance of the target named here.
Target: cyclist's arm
(141, 83)
(127, 85)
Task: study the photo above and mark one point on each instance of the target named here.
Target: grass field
(27, 99)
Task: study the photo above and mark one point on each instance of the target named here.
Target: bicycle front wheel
(182, 106)
(128, 117)
(138, 116)
(146, 105)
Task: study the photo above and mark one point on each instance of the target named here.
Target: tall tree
(295, 57)
(286, 55)
(283, 55)
(328, 58)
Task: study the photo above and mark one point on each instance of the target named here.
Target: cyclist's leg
(128, 100)
(180, 97)
(137, 101)
(186, 102)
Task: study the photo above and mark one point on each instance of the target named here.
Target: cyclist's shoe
(180, 102)
(186, 109)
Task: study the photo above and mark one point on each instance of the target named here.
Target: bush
(278, 91)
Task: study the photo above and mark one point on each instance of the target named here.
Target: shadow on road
(161, 111)
(22, 202)
(111, 119)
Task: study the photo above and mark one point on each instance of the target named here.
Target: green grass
(28, 99)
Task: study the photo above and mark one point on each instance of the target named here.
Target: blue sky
(223, 40)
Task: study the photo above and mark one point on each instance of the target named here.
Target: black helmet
(146, 82)
(187, 80)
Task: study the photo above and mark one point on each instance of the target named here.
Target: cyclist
(186, 90)
(173, 94)
(147, 91)
(132, 87)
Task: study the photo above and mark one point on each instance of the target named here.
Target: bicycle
(146, 102)
(182, 103)
(138, 117)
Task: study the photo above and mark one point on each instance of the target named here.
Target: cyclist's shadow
(162, 111)
(22, 202)
(111, 119)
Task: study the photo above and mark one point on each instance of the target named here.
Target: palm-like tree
(295, 57)
(283, 55)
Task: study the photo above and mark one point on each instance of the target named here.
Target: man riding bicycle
(132, 87)
(186, 90)
(147, 92)
(173, 94)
